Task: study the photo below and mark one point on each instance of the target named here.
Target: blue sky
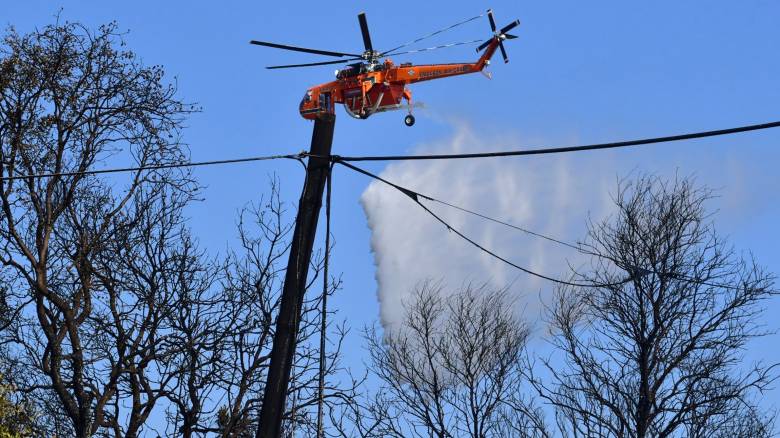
(580, 72)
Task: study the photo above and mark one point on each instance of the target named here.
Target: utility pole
(288, 320)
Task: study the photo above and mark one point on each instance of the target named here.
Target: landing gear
(409, 119)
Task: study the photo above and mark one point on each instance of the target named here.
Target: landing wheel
(409, 120)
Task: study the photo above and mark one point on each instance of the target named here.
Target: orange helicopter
(371, 86)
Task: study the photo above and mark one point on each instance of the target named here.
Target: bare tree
(454, 367)
(743, 420)
(87, 308)
(196, 328)
(109, 310)
(159, 275)
(228, 330)
(655, 347)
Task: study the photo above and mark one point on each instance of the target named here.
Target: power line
(154, 167)
(637, 271)
(576, 247)
(557, 150)
(343, 159)
(580, 248)
(324, 310)
(507, 224)
(415, 196)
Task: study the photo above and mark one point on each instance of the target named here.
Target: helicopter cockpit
(351, 70)
(306, 99)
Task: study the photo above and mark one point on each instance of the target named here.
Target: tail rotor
(500, 35)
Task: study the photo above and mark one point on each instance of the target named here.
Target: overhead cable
(582, 249)
(415, 196)
(342, 159)
(637, 271)
(557, 150)
(324, 310)
(153, 167)
(507, 224)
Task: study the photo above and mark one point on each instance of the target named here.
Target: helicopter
(371, 86)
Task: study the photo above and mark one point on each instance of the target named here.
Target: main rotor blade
(503, 52)
(492, 22)
(510, 26)
(301, 49)
(340, 61)
(483, 45)
(364, 31)
(509, 36)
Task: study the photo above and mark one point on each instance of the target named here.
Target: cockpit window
(307, 97)
(349, 71)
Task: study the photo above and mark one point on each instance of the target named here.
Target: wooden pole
(288, 320)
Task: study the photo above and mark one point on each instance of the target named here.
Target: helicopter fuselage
(365, 89)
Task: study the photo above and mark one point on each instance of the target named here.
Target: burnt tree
(454, 366)
(87, 309)
(659, 354)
